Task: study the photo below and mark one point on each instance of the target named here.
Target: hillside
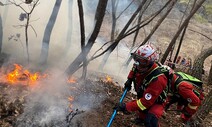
(91, 106)
(47, 99)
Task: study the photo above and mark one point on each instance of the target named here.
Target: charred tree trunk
(100, 12)
(186, 21)
(199, 61)
(210, 75)
(47, 33)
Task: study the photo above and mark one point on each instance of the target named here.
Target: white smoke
(49, 102)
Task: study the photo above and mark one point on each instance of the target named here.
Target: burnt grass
(107, 94)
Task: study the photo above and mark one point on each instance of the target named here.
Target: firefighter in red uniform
(150, 85)
(188, 96)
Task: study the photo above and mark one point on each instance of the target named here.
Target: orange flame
(72, 80)
(19, 74)
(108, 78)
(71, 99)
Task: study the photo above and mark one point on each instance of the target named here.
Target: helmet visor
(143, 62)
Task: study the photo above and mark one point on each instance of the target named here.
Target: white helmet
(144, 56)
(147, 52)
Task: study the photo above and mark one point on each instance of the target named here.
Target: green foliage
(208, 9)
(183, 1)
(200, 19)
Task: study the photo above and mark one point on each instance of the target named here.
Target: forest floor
(105, 94)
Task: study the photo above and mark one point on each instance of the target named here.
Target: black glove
(127, 84)
(121, 107)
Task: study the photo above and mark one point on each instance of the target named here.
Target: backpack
(198, 84)
(186, 77)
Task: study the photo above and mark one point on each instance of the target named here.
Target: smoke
(48, 102)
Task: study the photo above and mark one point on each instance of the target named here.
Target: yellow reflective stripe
(192, 107)
(140, 105)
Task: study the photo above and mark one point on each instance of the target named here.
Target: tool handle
(115, 111)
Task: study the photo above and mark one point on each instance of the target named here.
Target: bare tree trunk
(139, 21)
(47, 33)
(204, 110)
(199, 61)
(82, 30)
(114, 19)
(132, 30)
(179, 46)
(28, 15)
(186, 21)
(100, 12)
(70, 25)
(4, 16)
(136, 33)
(156, 26)
(114, 8)
(26, 37)
(1, 34)
(210, 75)
(184, 31)
(113, 29)
(117, 40)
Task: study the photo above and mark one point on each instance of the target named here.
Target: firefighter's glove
(128, 84)
(121, 107)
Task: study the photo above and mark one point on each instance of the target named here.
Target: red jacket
(152, 91)
(185, 90)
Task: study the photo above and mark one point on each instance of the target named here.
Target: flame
(108, 78)
(19, 74)
(72, 80)
(71, 99)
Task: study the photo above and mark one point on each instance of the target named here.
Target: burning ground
(47, 100)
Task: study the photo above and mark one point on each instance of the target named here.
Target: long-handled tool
(115, 111)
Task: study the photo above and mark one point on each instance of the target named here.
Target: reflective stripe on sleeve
(140, 105)
(192, 107)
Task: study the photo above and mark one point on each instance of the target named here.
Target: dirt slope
(105, 94)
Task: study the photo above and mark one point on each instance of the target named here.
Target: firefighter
(187, 92)
(150, 84)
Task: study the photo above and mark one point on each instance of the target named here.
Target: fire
(72, 80)
(19, 74)
(108, 78)
(71, 99)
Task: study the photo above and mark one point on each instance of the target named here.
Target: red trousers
(156, 110)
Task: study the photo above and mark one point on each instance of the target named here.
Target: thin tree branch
(124, 9)
(201, 34)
